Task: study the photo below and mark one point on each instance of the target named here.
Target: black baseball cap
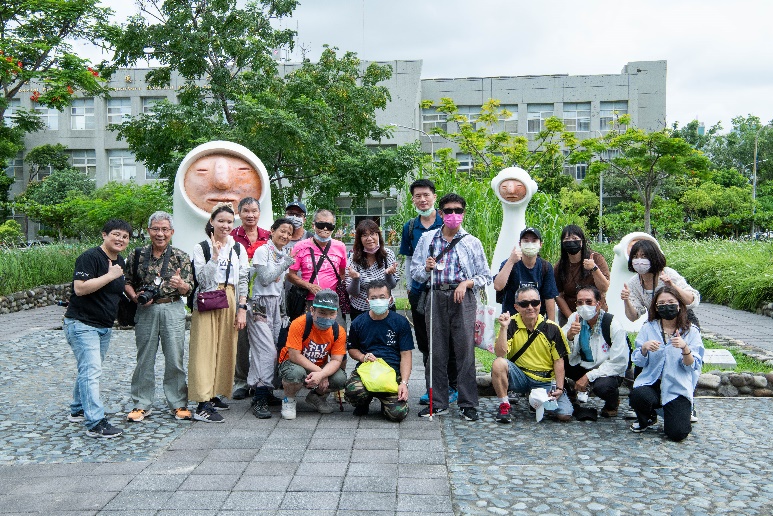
(297, 204)
(534, 231)
(327, 299)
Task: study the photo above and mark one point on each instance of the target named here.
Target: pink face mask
(453, 220)
(370, 250)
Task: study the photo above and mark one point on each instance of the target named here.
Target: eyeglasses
(119, 235)
(449, 211)
(533, 302)
(160, 230)
(325, 226)
(589, 302)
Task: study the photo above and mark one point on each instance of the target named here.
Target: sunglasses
(329, 226)
(523, 304)
(449, 211)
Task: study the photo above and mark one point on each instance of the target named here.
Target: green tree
(128, 201)
(625, 217)
(735, 149)
(644, 160)
(582, 205)
(11, 233)
(46, 157)
(36, 51)
(718, 210)
(492, 150)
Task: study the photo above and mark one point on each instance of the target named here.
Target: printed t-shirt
(385, 338)
(262, 256)
(548, 346)
(99, 308)
(522, 276)
(304, 263)
(317, 347)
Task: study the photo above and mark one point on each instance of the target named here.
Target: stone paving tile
(377, 484)
(365, 469)
(508, 476)
(220, 468)
(203, 500)
(253, 501)
(147, 500)
(375, 456)
(232, 455)
(262, 468)
(376, 444)
(424, 504)
(209, 482)
(313, 484)
(367, 501)
(147, 482)
(326, 455)
(310, 501)
(266, 483)
(322, 470)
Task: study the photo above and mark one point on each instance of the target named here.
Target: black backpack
(606, 324)
(207, 256)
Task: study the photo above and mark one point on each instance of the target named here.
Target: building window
(577, 171)
(149, 102)
(537, 114)
(49, 116)
(15, 168)
(471, 113)
(84, 161)
(152, 174)
(122, 165)
(431, 119)
(118, 110)
(507, 124)
(610, 112)
(378, 209)
(82, 114)
(577, 116)
(14, 105)
(465, 162)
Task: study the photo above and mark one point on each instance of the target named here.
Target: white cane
(431, 335)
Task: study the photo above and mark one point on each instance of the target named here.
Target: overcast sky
(720, 59)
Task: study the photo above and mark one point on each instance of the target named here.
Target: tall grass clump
(26, 268)
(728, 272)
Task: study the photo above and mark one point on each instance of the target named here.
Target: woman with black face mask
(669, 350)
(578, 267)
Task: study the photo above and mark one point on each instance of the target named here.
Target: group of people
(555, 331)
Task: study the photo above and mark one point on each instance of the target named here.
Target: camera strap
(148, 256)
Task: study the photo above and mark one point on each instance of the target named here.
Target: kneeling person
(381, 333)
(599, 355)
(531, 358)
(312, 357)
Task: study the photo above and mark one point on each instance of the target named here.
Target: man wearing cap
(459, 264)
(322, 253)
(525, 268)
(296, 212)
(423, 196)
(381, 333)
(312, 357)
(530, 354)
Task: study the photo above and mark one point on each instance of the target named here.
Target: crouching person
(312, 357)
(380, 333)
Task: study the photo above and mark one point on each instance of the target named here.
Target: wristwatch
(243, 306)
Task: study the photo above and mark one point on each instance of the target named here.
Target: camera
(149, 292)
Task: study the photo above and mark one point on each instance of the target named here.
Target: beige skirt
(213, 351)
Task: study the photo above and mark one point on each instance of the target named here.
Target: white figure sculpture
(619, 274)
(214, 172)
(514, 187)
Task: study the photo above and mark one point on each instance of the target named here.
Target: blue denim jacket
(666, 365)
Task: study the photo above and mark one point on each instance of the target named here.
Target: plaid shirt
(145, 275)
(470, 260)
(452, 268)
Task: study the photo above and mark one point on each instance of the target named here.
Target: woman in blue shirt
(670, 352)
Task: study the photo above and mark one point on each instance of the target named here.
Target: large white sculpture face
(213, 172)
(514, 186)
(619, 274)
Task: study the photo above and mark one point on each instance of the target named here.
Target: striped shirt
(358, 288)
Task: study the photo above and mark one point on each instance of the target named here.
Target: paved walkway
(339, 464)
(752, 329)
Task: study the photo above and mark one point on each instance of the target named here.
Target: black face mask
(572, 246)
(668, 312)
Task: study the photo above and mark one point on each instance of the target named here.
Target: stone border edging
(38, 297)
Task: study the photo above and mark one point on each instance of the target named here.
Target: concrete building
(588, 105)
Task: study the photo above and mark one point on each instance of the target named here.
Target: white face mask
(641, 265)
(587, 312)
(530, 248)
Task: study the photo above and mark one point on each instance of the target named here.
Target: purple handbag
(214, 299)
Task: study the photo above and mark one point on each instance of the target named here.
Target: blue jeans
(89, 345)
(518, 381)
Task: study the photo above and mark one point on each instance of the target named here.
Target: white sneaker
(319, 402)
(288, 408)
(694, 416)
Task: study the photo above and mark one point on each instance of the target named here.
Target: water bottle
(552, 386)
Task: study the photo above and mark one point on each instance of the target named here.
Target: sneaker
(76, 417)
(273, 401)
(207, 413)
(241, 393)
(424, 400)
(512, 397)
(469, 413)
(319, 402)
(104, 430)
(503, 415)
(453, 394)
(182, 414)
(435, 411)
(288, 408)
(694, 416)
(361, 410)
(630, 414)
(218, 403)
(637, 428)
(608, 412)
(138, 415)
(260, 409)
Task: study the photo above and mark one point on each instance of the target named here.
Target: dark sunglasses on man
(449, 211)
(533, 302)
(328, 226)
